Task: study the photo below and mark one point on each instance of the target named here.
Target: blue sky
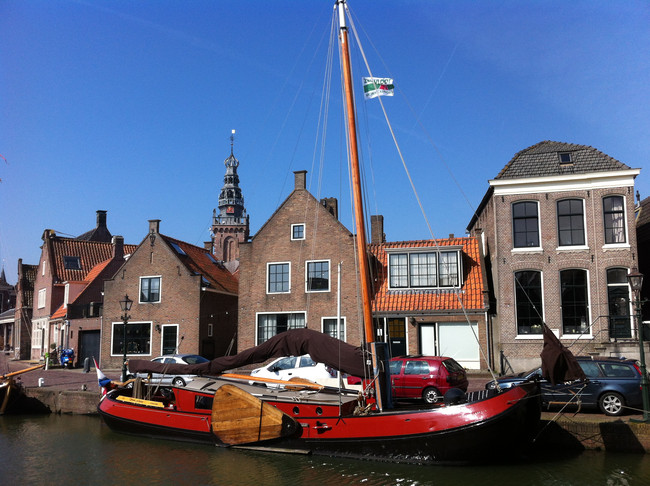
(127, 106)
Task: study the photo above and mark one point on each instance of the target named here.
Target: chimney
(101, 219)
(154, 226)
(332, 205)
(300, 180)
(377, 234)
(118, 247)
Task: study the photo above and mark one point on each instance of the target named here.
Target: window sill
(528, 249)
(616, 246)
(573, 337)
(529, 336)
(572, 248)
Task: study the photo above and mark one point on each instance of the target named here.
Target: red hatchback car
(426, 377)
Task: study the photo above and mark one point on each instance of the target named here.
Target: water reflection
(82, 450)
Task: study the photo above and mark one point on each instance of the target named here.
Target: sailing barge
(229, 410)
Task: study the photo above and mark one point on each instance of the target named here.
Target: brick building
(183, 301)
(289, 279)
(288, 272)
(429, 298)
(24, 308)
(63, 266)
(557, 228)
(80, 314)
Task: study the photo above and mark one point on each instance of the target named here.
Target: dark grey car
(613, 385)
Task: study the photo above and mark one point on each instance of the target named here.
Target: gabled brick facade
(183, 301)
(545, 218)
(323, 239)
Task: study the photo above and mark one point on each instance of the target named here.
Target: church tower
(231, 226)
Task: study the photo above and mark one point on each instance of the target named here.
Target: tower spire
(230, 223)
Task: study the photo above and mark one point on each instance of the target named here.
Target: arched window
(575, 305)
(528, 302)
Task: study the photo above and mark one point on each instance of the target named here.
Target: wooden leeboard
(240, 418)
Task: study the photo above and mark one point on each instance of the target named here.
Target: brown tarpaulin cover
(558, 363)
(321, 347)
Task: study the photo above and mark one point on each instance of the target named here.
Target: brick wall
(325, 239)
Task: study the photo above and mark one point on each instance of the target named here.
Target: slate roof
(543, 159)
(200, 262)
(433, 300)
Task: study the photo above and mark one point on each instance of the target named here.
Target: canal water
(81, 450)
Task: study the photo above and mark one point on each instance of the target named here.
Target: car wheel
(178, 381)
(611, 403)
(430, 395)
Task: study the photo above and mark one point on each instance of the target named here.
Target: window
(614, 219)
(318, 276)
(149, 289)
(528, 302)
(169, 339)
(565, 158)
(618, 297)
(448, 269)
(575, 309)
(424, 269)
(41, 298)
(329, 327)
(278, 278)
(269, 325)
(138, 338)
(525, 224)
(298, 231)
(416, 368)
(570, 222)
(72, 263)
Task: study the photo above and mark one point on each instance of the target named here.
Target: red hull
(460, 433)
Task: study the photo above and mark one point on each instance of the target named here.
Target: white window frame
(258, 314)
(585, 246)
(625, 229)
(140, 301)
(543, 310)
(304, 231)
(114, 323)
(42, 298)
(587, 335)
(437, 251)
(343, 319)
(162, 332)
(268, 276)
(329, 278)
(523, 249)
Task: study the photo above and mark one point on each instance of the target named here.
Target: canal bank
(64, 391)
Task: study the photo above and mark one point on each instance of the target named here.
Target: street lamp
(126, 307)
(636, 282)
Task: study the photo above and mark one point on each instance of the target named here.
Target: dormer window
(72, 263)
(565, 158)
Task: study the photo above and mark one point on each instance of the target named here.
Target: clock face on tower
(230, 210)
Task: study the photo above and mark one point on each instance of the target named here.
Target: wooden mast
(362, 250)
(362, 254)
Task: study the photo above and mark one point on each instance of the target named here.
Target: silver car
(175, 380)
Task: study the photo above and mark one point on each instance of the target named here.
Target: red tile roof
(90, 253)
(431, 300)
(200, 261)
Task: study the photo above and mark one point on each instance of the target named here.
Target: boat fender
(455, 396)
